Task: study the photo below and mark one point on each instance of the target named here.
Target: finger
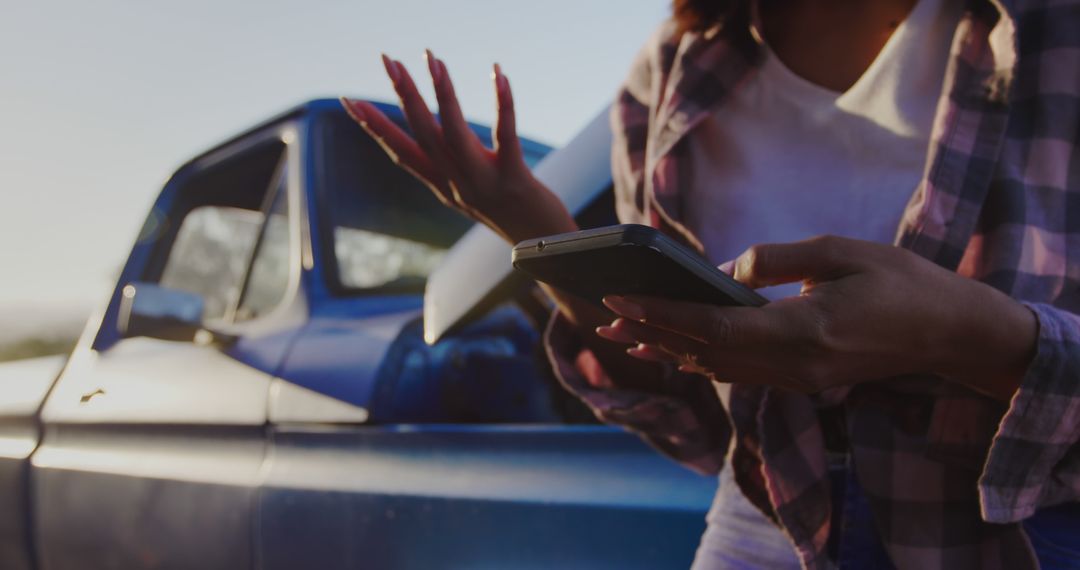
(697, 358)
(507, 144)
(460, 140)
(815, 259)
(662, 346)
(398, 145)
(719, 326)
(613, 334)
(428, 132)
(676, 345)
(651, 354)
(695, 369)
(727, 267)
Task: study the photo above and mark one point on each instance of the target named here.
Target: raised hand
(492, 186)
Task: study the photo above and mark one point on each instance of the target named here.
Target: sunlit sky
(102, 100)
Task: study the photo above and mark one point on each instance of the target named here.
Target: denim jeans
(739, 537)
(1055, 534)
(853, 540)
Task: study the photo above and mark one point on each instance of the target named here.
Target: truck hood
(476, 273)
(24, 384)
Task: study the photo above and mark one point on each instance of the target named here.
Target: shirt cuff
(1027, 467)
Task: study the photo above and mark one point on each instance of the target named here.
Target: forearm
(993, 343)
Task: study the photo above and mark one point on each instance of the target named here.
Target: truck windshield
(386, 230)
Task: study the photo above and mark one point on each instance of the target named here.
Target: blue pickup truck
(308, 362)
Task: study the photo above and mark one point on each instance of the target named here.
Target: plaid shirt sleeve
(688, 423)
(1034, 460)
(1034, 457)
(689, 426)
(630, 117)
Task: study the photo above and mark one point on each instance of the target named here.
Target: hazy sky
(102, 100)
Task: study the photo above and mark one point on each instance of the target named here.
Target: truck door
(152, 448)
(469, 485)
(389, 453)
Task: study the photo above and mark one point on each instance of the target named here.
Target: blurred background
(103, 100)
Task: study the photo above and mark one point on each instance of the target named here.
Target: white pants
(738, 536)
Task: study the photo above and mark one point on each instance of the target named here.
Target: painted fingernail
(442, 68)
(498, 79)
(644, 352)
(391, 68)
(728, 267)
(433, 66)
(614, 334)
(353, 110)
(625, 308)
(504, 81)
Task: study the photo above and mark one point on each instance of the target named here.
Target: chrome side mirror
(150, 310)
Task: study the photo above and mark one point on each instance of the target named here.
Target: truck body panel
(321, 416)
(24, 385)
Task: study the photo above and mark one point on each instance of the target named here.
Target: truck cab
(269, 386)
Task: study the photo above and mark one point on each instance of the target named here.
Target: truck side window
(268, 279)
(368, 259)
(232, 246)
(210, 255)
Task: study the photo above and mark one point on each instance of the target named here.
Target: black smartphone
(628, 259)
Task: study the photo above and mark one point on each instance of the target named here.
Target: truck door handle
(91, 395)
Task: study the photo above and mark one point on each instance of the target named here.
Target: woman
(906, 404)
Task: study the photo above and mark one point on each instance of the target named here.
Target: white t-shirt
(784, 159)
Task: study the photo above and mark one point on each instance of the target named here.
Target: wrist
(993, 345)
(537, 212)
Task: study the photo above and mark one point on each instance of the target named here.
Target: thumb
(764, 265)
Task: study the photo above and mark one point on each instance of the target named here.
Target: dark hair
(700, 15)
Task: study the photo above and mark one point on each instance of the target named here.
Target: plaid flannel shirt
(948, 472)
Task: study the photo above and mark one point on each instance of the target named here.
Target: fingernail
(391, 68)
(728, 267)
(614, 334)
(433, 66)
(499, 95)
(353, 110)
(643, 352)
(625, 308)
(502, 81)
